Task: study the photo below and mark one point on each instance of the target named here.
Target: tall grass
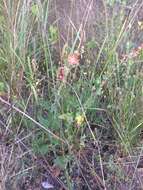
(65, 114)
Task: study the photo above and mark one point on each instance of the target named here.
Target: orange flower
(74, 58)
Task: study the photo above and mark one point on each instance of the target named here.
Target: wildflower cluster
(73, 60)
(134, 53)
(79, 120)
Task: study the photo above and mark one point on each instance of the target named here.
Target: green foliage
(124, 91)
(39, 144)
(67, 117)
(112, 2)
(62, 161)
(2, 86)
(91, 45)
(47, 116)
(35, 10)
(53, 34)
(71, 109)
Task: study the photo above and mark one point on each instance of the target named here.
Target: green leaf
(91, 44)
(52, 121)
(35, 10)
(43, 149)
(2, 86)
(62, 161)
(53, 33)
(1, 19)
(68, 117)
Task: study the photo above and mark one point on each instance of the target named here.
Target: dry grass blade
(30, 118)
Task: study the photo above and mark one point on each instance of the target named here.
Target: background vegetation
(71, 94)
